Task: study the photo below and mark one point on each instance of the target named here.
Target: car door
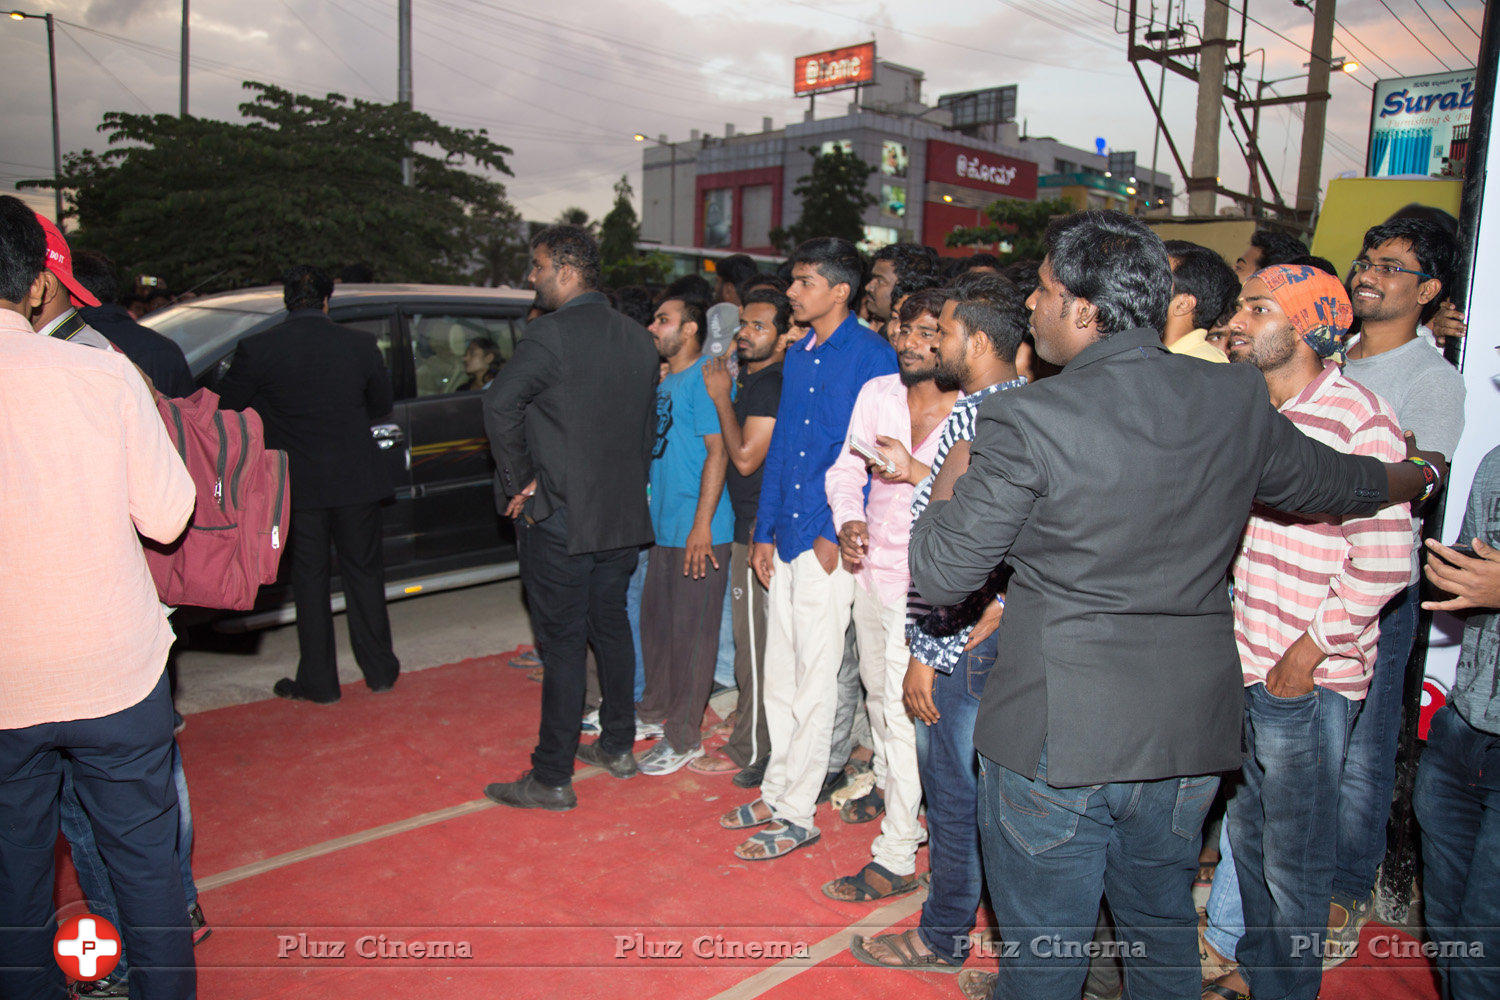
(452, 472)
(391, 431)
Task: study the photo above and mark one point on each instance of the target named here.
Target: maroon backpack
(233, 543)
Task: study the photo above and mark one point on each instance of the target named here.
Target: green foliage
(218, 204)
(1019, 223)
(621, 262)
(575, 216)
(833, 200)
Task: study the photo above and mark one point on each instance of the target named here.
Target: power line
(336, 54)
(905, 33)
(1462, 19)
(1047, 19)
(1367, 47)
(1413, 34)
(144, 106)
(1461, 53)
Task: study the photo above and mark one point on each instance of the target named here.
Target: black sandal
(865, 809)
(897, 885)
(907, 955)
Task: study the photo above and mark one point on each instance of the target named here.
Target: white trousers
(880, 630)
(808, 614)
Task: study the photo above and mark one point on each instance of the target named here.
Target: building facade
(936, 170)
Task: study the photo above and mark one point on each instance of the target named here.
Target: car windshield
(202, 331)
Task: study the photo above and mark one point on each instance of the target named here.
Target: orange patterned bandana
(1316, 304)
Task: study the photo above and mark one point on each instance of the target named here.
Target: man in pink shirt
(890, 413)
(1307, 599)
(86, 464)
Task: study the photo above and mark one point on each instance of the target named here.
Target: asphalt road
(214, 670)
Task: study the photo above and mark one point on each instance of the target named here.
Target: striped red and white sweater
(1322, 576)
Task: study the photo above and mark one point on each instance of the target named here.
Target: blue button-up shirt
(818, 385)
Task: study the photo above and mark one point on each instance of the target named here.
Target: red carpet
(636, 892)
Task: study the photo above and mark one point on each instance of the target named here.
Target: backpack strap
(68, 328)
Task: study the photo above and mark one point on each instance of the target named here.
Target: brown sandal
(865, 891)
(904, 947)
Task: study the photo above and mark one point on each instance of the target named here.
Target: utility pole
(403, 75)
(1205, 180)
(1310, 167)
(182, 92)
(56, 135)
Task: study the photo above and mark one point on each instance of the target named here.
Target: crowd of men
(1058, 544)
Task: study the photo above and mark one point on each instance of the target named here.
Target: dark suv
(442, 529)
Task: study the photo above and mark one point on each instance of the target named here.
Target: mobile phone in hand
(1463, 549)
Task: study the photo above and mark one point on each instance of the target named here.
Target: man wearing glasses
(1400, 277)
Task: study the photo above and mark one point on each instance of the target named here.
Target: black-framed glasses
(1386, 270)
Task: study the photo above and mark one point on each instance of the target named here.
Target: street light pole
(17, 15)
(672, 186)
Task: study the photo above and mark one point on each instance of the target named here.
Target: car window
(202, 331)
(438, 341)
(382, 328)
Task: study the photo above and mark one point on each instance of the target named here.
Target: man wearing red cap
(1307, 600)
(57, 316)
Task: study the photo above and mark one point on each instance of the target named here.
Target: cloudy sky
(565, 85)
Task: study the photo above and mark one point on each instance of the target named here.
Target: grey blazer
(1118, 490)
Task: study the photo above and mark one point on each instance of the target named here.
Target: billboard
(1419, 125)
(972, 168)
(835, 69)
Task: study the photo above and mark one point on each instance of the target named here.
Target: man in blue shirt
(796, 553)
(686, 572)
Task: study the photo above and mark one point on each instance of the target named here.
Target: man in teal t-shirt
(683, 598)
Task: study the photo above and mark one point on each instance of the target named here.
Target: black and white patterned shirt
(937, 635)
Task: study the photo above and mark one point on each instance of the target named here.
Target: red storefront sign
(834, 69)
(972, 168)
(939, 219)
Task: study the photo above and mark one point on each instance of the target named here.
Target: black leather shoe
(528, 793)
(381, 688)
(752, 775)
(619, 766)
(291, 690)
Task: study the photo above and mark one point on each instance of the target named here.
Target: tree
(575, 216)
(833, 200)
(1019, 224)
(215, 204)
(622, 263)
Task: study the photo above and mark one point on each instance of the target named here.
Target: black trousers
(354, 531)
(680, 619)
(577, 601)
(122, 770)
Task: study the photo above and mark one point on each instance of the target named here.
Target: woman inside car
(481, 364)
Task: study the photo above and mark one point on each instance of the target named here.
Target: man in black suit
(317, 386)
(1117, 491)
(159, 357)
(571, 418)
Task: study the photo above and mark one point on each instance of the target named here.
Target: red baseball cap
(60, 263)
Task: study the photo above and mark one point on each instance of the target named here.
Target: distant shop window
(438, 342)
(893, 200)
(877, 237)
(842, 145)
(755, 216)
(718, 217)
(893, 158)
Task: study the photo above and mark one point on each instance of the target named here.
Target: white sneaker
(662, 759)
(648, 730)
(591, 722)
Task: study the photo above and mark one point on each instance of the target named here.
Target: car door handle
(387, 436)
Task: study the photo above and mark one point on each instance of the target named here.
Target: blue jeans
(93, 876)
(633, 612)
(1370, 765)
(1049, 855)
(724, 664)
(1281, 823)
(1457, 801)
(122, 770)
(1226, 917)
(949, 770)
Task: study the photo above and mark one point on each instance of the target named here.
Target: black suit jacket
(317, 386)
(1118, 490)
(574, 408)
(159, 357)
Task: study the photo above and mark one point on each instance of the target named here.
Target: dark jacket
(1118, 490)
(159, 357)
(574, 408)
(317, 386)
